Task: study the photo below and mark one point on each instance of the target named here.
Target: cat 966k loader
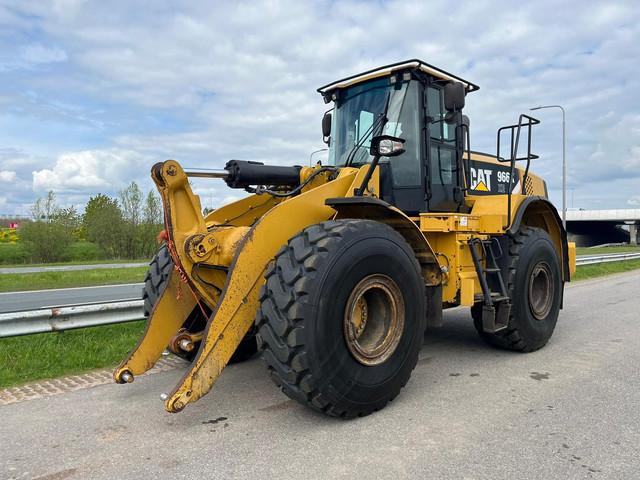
(333, 272)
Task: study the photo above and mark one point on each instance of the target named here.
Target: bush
(46, 241)
(85, 251)
(8, 235)
(11, 253)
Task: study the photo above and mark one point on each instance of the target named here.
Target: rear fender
(539, 212)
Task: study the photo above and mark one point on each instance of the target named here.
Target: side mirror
(326, 127)
(454, 94)
(386, 146)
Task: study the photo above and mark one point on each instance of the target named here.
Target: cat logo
(481, 179)
(481, 187)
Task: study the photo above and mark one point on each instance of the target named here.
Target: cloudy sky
(92, 93)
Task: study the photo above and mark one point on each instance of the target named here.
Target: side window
(434, 110)
(363, 124)
(442, 165)
(441, 130)
(406, 168)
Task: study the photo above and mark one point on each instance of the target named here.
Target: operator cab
(410, 101)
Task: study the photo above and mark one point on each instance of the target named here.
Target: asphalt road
(68, 268)
(569, 411)
(33, 299)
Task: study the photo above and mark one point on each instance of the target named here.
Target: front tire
(342, 316)
(534, 285)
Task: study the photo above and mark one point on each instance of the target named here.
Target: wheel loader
(334, 271)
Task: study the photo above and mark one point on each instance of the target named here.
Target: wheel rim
(374, 319)
(540, 290)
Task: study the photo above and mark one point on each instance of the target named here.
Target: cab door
(402, 177)
(443, 178)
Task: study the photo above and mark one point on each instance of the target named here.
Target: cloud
(207, 82)
(89, 171)
(7, 176)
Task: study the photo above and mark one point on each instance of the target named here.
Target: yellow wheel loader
(333, 272)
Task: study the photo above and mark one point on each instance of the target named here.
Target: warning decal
(492, 179)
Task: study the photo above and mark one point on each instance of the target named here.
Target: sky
(93, 93)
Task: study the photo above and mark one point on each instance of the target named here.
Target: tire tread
(280, 316)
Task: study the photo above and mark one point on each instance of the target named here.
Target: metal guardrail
(609, 257)
(65, 318)
(80, 316)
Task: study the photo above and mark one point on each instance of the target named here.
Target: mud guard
(540, 212)
(375, 209)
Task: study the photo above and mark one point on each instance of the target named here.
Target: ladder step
(492, 270)
(498, 298)
(496, 320)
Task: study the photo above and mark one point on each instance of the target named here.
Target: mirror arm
(365, 181)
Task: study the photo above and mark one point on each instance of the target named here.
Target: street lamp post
(564, 162)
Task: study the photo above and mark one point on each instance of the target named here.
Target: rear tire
(329, 323)
(154, 284)
(534, 284)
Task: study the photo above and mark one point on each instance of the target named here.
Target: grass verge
(47, 355)
(605, 250)
(74, 262)
(599, 269)
(14, 282)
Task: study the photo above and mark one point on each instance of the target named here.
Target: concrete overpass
(593, 227)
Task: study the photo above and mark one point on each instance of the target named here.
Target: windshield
(357, 119)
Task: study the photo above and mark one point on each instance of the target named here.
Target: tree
(47, 238)
(67, 218)
(152, 224)
(153, 209)
(131, 201)
(44, 208)
(104, 225)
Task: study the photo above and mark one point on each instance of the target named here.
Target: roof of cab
(387, 69)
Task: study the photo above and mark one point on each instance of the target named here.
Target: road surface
(33, 299)
(68, 268)
(569, 411)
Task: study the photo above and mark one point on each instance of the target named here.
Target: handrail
(513, 154)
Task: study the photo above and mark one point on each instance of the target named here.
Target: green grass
(74, 262)
(604, 250)
(14, 282)
(599, 269)
(78, 253)
(49, 355)
(12, 253)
